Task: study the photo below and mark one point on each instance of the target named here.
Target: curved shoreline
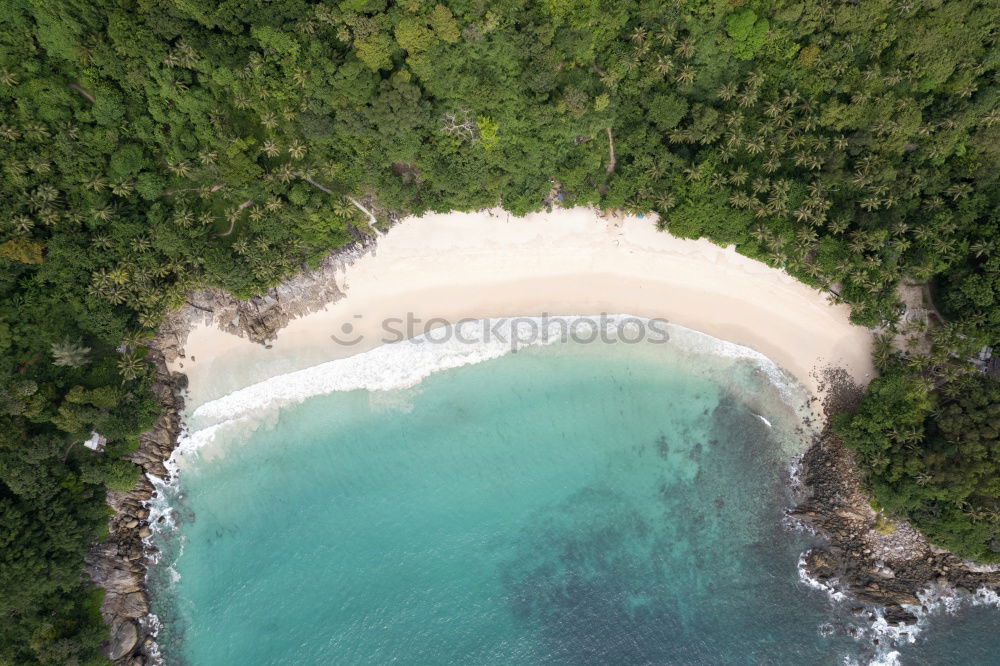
(453, 267)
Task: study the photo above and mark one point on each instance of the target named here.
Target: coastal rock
(123, 582)
(822, 565)
(124, 638)
(850, 515)
(888, 567)
(895, 616)
(134, 605)
(117, 564)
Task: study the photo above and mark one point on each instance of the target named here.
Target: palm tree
(756, 79)
(739, 176)
(807, 236)
(22, 224)
(664, 65)
(109, 292)
(740, 200)
(123, 188)
(49, 216)
(39, 164)
(728, 92)
(42, 197)
(857, 245)
(981, 248)
(181, 168)
(141, 244)
(133, 339)
(69, 354)
(183, 217)
(36, 132)
(271, 148)
(959, 190)
(102, 213)
(666, 202)
(129, 366)
(686, 76)
(268, 120)
(665, 36)
(297, 150)
(95, 183)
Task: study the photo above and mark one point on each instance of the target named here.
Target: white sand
(570, 262)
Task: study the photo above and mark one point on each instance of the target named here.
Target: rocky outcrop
(259, 318)
(124, 639)
(869, 558)
(119, 564)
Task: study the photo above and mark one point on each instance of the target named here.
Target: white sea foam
(404, 364)
(830, 589)
(886, 637)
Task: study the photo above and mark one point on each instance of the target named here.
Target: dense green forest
(154, 146)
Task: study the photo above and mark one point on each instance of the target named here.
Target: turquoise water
(599, 504)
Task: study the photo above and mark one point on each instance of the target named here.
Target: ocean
(568, 503)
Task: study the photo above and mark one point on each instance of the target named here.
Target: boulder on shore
(124, 638)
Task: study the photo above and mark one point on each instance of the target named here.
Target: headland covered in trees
(154, 148)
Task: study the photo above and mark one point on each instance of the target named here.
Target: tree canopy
(152, 147)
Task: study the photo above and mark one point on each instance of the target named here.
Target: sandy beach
(448, 267)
